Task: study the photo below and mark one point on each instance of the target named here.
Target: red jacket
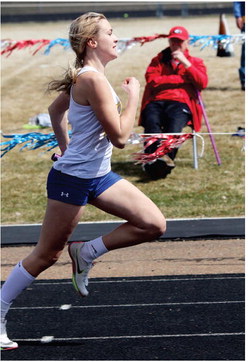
(167, 80)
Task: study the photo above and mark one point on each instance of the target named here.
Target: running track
(199, 317)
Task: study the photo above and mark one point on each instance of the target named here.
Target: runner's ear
(92, 43)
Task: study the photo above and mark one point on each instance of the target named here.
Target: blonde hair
(81, 30)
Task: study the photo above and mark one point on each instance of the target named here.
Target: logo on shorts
(66, 194)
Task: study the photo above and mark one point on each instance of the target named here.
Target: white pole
(195, 154)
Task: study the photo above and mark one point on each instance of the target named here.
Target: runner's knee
(40, 261)
(160, 227)
(156, 228)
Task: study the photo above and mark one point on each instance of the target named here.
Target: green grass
(210, 191)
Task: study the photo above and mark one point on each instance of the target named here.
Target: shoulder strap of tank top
(86, 69)
(83, 70)
(89, 68)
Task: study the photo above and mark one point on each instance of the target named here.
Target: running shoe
(80, 269)
(5, 342)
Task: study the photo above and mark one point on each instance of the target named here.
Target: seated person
(170, 97)
(239, 13)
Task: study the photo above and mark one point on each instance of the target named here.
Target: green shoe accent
(74, 283)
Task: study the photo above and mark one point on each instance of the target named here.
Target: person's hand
(240, 23)
(131, 85)
(178, 55)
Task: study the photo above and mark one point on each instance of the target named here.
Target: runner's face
(106, 40)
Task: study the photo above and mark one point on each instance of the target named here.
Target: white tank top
(88, 154)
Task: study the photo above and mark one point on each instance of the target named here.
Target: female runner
(83, 174)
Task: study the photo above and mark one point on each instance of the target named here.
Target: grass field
(210, 191)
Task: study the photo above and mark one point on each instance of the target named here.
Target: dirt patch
(156, 258)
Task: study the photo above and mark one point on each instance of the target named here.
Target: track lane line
(135, 337)
(131, 305)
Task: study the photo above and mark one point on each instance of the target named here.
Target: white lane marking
(65, 307)
(47, 339)
(136, 337)
(131, 305)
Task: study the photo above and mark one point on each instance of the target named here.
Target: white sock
(18, 280)
(93, 249)
(4, 309)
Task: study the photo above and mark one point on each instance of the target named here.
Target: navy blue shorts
(75, 190)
